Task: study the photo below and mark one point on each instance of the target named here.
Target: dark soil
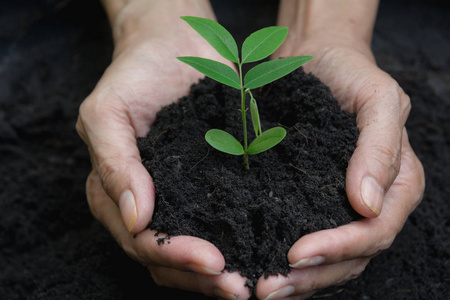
(52, 54)
(253, 216)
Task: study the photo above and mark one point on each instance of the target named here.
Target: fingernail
(203, 270)
(372, 194)
(308, 262)
(281, 293)
(224, 295)
(127, 206)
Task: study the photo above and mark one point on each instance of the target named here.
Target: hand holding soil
(385, 179)
(143, 77)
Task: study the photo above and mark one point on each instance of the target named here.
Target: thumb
(375, 163)
(106, 128)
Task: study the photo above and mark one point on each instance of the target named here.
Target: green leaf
(214, 69)
(262, 43)
(267, 140)
(216, 35)
(269, 71)
(255, 116)
(223, 141)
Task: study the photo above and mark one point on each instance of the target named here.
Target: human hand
(384, 180)
(144, 76)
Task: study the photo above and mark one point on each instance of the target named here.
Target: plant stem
(244, 119)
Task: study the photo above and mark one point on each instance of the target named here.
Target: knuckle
(87, 112)
(97, 105)
(388, 157)
(402, 105)
(79, 126)
(387, 232)
(415, 188)
(85, 108)
(358, 266)
(94, 202)
(405, 102)
(109, 169)
(314, 283)
(386, 93)
(385, 244)
(381, 246)
(157, 277)
(361, 266)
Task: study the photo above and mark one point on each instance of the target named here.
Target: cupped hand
(384, 180)
(182, 262)
(144, 76)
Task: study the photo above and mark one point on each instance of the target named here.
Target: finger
(224, 286)
(366, 237)
(181, 252)
(305, 282)
(106, 128)
(382, 109)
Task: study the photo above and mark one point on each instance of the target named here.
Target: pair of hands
(384, 181)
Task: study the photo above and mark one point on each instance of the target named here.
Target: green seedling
(256, 47)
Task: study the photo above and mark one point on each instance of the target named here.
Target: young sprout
(257, 46)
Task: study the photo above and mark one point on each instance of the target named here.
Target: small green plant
(256, 47)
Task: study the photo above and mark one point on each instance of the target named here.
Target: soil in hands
(253, 217)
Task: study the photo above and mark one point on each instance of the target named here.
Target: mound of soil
(253, 216)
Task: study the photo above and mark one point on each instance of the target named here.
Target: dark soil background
(51, 55)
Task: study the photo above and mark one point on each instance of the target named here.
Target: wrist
(138, 21)
(339, 17)
(322, 25)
